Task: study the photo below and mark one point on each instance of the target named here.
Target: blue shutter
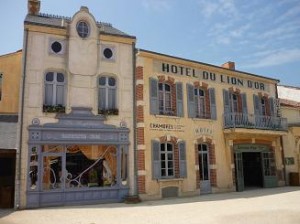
(213, 107)
(156, 170)
(257, 106)
(179, 99)
(182, 160)
(153, 96)
(244, 103)
(272, 109)
(191, 101)
(226, 100)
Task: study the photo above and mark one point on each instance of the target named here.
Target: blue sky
(261, 36)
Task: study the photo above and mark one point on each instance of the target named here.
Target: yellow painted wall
(10, 68)
(221, 139)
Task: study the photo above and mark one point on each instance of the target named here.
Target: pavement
(268, 206)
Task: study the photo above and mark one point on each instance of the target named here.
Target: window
(107, 95)
(166, 160)
(54, 89)
(1, 77)
(263, 107)
(82, 29)
(56, 47)
(166, 98)
(107, 53)
(200, 103)
(203, 162)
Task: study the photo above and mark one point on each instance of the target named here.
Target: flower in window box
(54, 108)
(108, 111)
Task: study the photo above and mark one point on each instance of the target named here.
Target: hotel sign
(166, 127)
(203, 75)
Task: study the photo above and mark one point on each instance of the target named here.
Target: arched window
(107, 95)
(54, 89)
(167, 160)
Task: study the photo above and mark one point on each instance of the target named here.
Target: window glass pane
(33, 169)
(170, 148)
(170, 164)
(163, 164)
(160, 86)
(60, 77)
(111, 82)
(124, 167)
(167, 88)
(163, 157)
(201, 92)
(52, 172)
(49, 77)
(196, 92)
(49, 94)
(102, 100)
(170, 172)
(111, 99)
(102, 81)
(60, 95)
(163, 172)
(162, 147)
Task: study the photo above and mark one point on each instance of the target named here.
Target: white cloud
(225, 8)
(157, 5)
(274, 58)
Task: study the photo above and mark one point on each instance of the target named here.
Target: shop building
(290, 108)
(77, 115)
(203, 128)
(10, 74)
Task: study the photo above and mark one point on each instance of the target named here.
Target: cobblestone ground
(277, 205)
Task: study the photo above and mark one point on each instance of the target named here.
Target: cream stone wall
(82, 65)
(221, 140)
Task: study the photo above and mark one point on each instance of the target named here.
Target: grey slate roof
(62, 22)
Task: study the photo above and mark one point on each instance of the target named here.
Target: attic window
(82, 29)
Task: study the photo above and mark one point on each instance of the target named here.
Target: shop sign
(166, 127)
(203, 75)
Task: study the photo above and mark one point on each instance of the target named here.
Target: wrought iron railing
(240, 120)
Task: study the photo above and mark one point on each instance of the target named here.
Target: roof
(62, 22)
(206, 64)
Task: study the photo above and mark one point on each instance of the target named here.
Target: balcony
(251, 121)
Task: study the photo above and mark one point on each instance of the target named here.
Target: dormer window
(83, 29)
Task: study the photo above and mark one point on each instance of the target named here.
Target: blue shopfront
(78, 160)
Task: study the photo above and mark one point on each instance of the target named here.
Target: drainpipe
(281, 144)
(21, 115)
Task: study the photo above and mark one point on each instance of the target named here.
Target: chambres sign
(175, 69)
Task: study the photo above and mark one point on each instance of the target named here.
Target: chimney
(229, 65)
(33, 7)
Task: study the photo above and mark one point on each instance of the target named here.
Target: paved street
(278, 205)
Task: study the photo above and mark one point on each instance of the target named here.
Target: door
(269, 169)
(239, 174)
(203, 157)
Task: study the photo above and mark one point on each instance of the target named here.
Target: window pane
(167, 88)
(163, 164)
(102, 100)
(160, 86)
(111, 82)
(52, 172)
(49, 77)
(169, 146)
(163, 157)
(170, 164)
(170, 172)
(49, 94)
(60, 77)
(162, 147)
(60, 95)
(170, 156)
(111, 98)
(163, 172)
(102, 81)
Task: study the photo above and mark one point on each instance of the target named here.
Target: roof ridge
(47, 15)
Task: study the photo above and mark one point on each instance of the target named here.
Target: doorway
(203, 158)
(7, 178)
(252, 169)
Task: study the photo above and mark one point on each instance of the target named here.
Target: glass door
(203, 156)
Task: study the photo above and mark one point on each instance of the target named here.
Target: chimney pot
(229, 65)
(34, 7)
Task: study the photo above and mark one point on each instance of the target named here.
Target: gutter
(21, 115)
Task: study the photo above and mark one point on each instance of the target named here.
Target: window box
(54, 109)
(108, 111)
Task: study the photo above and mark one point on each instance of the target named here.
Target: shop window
(201, 102)
(54, 100)
(166, 98)
(74, 166)
(165, 160)
(107, 96)
(33, 167)
(1, 78)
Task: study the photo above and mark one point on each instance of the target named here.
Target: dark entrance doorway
(252, 169)
(7, 178)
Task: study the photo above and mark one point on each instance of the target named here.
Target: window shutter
(257, 110)
(153, 96)
(272, 109)
(156, 170)
(213, 107)
(60, 93)
(244, 103)
(182, 160)
(226, 100)
(191, 100)
(179, 99)
(48, 94)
